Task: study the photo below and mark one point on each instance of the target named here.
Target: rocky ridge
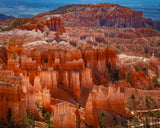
(110, 15)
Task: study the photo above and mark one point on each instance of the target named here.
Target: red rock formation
(71, 82)
(46, 99)
(111, 15)
(6, 73)
(140, 80)
(108, 99)
(49, 79)
(37, 85)
(3, 56)
(12, 101)
(61, 73)
(36, 55)
(53, 24)
(29, 27)
(86, 78)
(70, 66)
(137, 79)
(116, 101)
(19, 50)
(26, 86)
(90, 118)
(111, 58)
(13, 64)
(75, 84)
(11, 50)
(12, 79)
(64, 115)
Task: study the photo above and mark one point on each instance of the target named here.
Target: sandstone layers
(111, 15)
(75, 79)
(53, 24)
(29, 79)
(58, 76)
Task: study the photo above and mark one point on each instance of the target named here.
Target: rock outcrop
(108, 99)
(111, 15)
(64, 115)
(52, 24)
(58, 76)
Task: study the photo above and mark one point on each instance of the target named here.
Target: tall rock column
(90, 118)
(37, 85)
(101, 65)
(86, 78)
(75, 83)
(116, 101)
(46, 98)
(26, 86)
(49, 79)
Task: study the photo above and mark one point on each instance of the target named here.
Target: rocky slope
(110, 15)
(125, 40)
(90, 15)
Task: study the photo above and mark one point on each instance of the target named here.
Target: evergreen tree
(101, 119)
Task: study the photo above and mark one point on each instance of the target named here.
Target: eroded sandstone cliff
(58, 76)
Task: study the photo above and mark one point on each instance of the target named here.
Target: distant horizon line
(36, 11)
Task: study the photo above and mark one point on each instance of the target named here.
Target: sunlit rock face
(64, 115)
(90, 118)
(3, 55)
(74, 72)
(108, 99)
(58, 77)
(95, 59)
(46, 98)
(62, 63)
(26, 85)
(52, 24)
(110, 15)
(86, 77)
(49, 79)
(12, 101)
(40, 72)
(37, 85)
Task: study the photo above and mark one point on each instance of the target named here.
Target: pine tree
(101, 119)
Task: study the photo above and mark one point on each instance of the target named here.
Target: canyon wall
(58, 77)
